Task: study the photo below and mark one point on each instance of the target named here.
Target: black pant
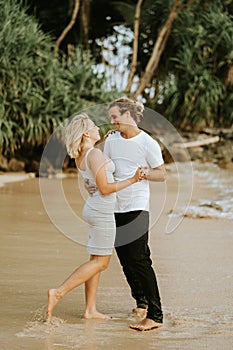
(134, 256)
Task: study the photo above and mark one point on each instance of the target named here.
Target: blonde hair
(74, 134)
(124, 104)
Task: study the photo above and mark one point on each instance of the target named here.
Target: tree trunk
(229, 78)
(70, 25)
(85, 20)
(158, 49)
(135, 46)
(198, 143)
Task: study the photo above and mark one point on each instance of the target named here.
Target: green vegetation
(202, 92)
(37, 89)
(191, 84)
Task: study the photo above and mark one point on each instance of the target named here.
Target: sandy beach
(193, 265)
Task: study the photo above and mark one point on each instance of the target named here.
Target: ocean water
(215, 192)
(220, 203)
(187, 330)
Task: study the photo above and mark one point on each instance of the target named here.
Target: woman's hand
(138, 176)
(144, 172)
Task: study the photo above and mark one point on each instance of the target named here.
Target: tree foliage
(193, 79)
(201, 91)
(38, 90)
(192, 84)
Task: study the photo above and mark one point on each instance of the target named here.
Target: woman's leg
(79, 276)
(91, 287)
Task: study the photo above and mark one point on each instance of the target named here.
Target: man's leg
(147, 276)
(132, 279)
(122, 221)
(136, 262)
(154, 318)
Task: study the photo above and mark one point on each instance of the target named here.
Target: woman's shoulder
(95, 154)
(95, 151)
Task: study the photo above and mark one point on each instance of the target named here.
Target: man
(130, 147)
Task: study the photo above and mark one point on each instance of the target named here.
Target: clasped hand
(141, 173)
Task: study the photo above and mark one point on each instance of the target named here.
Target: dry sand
(193, 265)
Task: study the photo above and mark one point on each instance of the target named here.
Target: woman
(81, 136)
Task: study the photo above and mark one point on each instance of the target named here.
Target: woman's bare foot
(146, 325)
(53, 299)
(95, 315)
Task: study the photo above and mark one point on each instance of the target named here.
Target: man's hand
(91, 189)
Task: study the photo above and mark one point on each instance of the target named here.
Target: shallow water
(186, 328)
(194, 270)
(220, 180)
(215, 198)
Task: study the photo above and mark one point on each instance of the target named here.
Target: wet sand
(193, 265)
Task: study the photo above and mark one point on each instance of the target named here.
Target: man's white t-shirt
(128, 155)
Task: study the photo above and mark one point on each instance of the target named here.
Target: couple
(118, 211)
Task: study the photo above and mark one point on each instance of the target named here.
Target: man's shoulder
(148, 137)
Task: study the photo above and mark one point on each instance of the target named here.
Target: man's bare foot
(95, 315)
(138, 312)
(146, 325)
(53, 298)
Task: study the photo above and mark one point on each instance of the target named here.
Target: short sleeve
(154, 154)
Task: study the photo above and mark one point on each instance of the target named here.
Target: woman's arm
(97, 163)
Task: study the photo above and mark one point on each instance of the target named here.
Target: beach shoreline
(8, 177)
(193, 265)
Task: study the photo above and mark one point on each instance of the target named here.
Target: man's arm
(90, 188)
(157, 174)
